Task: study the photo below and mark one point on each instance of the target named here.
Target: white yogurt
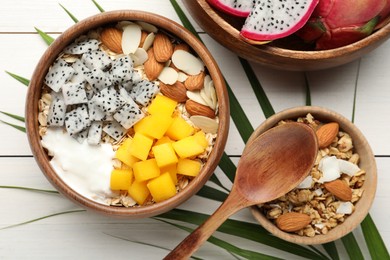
(85, 168)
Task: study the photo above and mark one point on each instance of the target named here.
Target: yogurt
(85, 168)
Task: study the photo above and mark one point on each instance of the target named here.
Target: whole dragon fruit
(240, 8)
(335, 23)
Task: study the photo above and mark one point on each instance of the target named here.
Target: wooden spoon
(270, 166)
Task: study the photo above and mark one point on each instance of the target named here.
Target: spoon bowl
(271, 165)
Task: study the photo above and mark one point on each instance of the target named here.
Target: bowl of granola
(336, 195)
(127, 114)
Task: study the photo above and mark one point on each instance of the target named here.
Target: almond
(196, 109)
(143, 37)
(326, 134)
(163, 48)
(112, 39)
(152, 67)
(182, 46)
(292, 221)
(195, 82)
(176, 91)
(339, 189)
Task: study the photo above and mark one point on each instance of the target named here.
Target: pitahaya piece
(80, 67)
(98, 79)
(129, 114)
(95, 113)
(336, 23)
(144, 91)
(95, 133)
(96, 59)
(108, 100)
(80, 47)
(57, 110)
(59, 74)
(81, 136)
(240, 8)
(115, 130)
(122, 70)
(74, 93)
(77, 120)
(270, 20)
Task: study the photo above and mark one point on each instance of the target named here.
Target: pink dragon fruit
(240, 8)
(335, 23)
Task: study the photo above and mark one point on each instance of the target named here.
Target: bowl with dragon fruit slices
(127, 114)
(295, 35)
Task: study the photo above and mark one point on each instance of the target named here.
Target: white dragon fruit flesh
(96, 59)
(80, 47)
(270, 20)
(77, 119)
(59, 74)
(97, 79)
(81, 136)
(144, 91)
(122, 70)
(108, 100)
(115, 130)
(74, 93)
(57, 110)
(95, 113)
(129, 114)
(95, 133)
(240, 8)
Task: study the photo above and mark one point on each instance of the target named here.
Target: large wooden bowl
(225, 30)
(367, 162)
(35, 90)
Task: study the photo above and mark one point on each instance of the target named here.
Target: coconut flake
(147, 26)
(345, 208)
(306, 183)
(168, 75)
(187, 62)
(329, 166)
(131, 38)
(207, 124)
(348, 168)
(148, 41)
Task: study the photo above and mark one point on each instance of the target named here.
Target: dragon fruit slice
(95, 133)
(58, 75)
(144, 91)
(80, 67)
(108, 100)
(129, 114)
(74, 93)
(122, 70)
(115, 130)
(83, 46)
(95, 113)
(98, 79)
(77, 120)
(57, 110)
(240, 8)
(81, 136)
(96, 59)
(270, 20)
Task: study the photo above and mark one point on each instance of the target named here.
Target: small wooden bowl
(225, 30)
(367, 162)
(35, 90)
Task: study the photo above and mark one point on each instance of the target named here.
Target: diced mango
(140, 146)
(179, 129)
(146, 170)
(121, 179)
(162, 105)
(201, 139)
(172, 169)
(163, 140)
(123, 153)
(165, 154)
(189, 167)
(162, 187)
(153, 126)
(187, 147)
(139, 192)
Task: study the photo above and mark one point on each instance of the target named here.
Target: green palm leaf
(352, 247)
(331, 250)
(98, 6)
(24, 81)
(70, 14)
(20, 128)
(374, 241)
(19, 118)
(29, 189)
(47, 38)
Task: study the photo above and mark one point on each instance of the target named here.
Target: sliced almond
(152, 68)
(195, 82)
(131, 38)
(112, 39)
(182, 76)
(176, 92)
(326, 134)
(163, 48)
(339, 189)
(195, 109)
(147, 26)
(187, 62)
(206, 98)
(292, 221)
(122, 24)
(143, 37)
(207, 124)
(142, 57)
(148, 41)
(168, 75)
(195, 96)
(182, 46)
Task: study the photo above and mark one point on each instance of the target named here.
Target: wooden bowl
(35, 90)
(367, 162)
(225, 30)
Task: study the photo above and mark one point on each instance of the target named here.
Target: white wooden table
(86, 235)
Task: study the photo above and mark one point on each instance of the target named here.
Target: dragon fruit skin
(239, 8)
(336, 23)
(270, 20)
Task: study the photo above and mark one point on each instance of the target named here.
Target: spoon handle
(193, 241)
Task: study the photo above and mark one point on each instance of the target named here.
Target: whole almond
(196, 109)
(176, 91)
(112, 39)
(339, 189)
(163, 48)
(195, 82)
(326, 134)
(152, 67)
(182, 46)
(292, 221)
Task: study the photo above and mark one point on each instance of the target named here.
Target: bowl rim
(362, 206)
(34, 92)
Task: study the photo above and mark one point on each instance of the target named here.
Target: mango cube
(163, 140)
(201, 139)
(162, 187)
(164, 154)
(121, 179)
(146, 170)
(172, 169)
(139, 192)
(189, 167)
(188, 147)
(123, 153)
(140, 146)
(153, 126)
(179, 129)
(162, 105)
